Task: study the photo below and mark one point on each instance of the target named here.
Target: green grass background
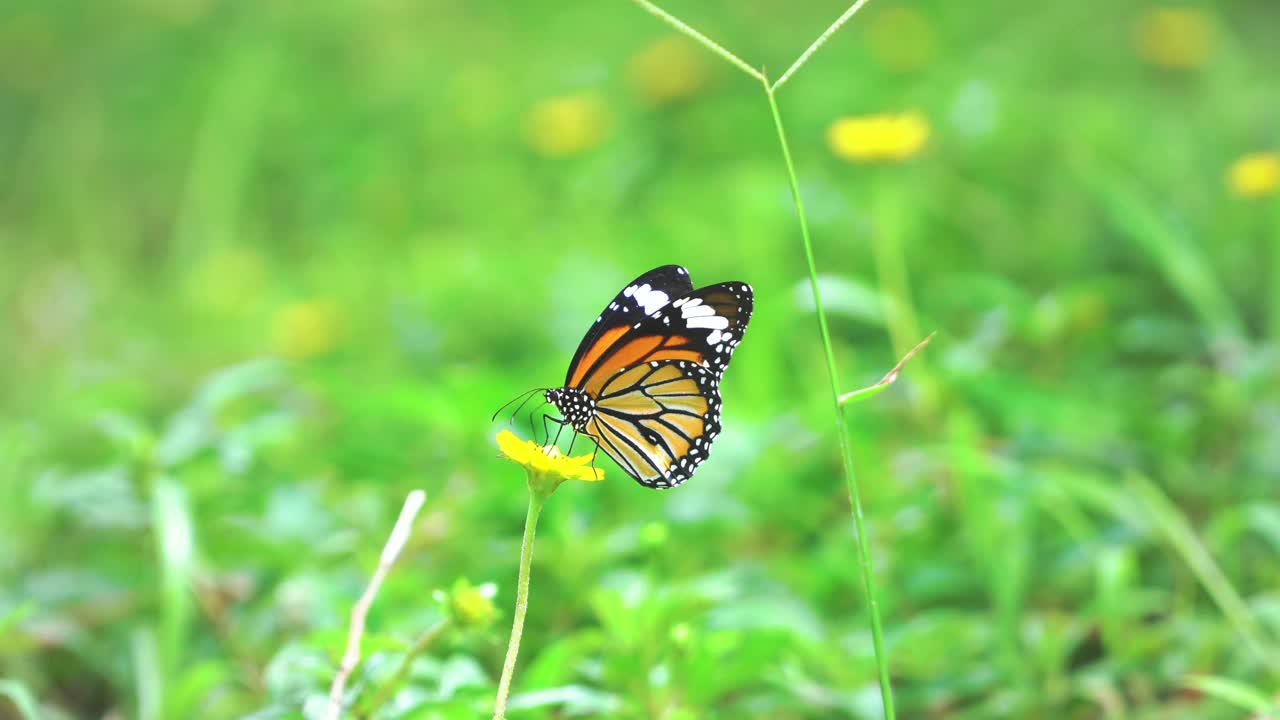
(266, 267)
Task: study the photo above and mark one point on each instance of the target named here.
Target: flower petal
(514, 448)
(547, 461)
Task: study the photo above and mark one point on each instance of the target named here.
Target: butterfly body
(644, 384)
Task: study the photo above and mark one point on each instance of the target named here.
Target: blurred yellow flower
(1255, 175)
(230, 280)
(901, 38)
(568, 125)
(667, 70)
(472, 605)
(1174, 37)
(882, 137)
(306, 329)
(547, 461)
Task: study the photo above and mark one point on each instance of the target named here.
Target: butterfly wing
(657, 420)
(642, 296)
(657, 385)
(702, 327)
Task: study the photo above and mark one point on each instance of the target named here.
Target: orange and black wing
(656, 383)
(702, 327)
(642, 296)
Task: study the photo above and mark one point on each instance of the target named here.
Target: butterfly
(644, 384)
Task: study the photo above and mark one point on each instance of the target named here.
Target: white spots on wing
(715, 337)
(647, 297)
(650, 299)
(712, 322)
(682, 271)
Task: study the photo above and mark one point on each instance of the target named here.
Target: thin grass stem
(822, 40)
(846, 452)
(701, 39)
(889, 378)
(1273, 299)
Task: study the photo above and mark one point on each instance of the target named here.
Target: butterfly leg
(546, 432)
(572, 440)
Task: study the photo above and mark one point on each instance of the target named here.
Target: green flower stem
(537, 497)
(846, 452)
(406, 664)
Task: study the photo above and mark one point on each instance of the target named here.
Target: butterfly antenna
(520, 407)
(507, 404)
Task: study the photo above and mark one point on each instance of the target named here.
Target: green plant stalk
(1273, 306)
(891, 267)
(891, 270)
(536, 501)
(846, 452)
(406, 664)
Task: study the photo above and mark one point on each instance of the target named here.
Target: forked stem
(699, 38)
(846, 452)
(822, 40)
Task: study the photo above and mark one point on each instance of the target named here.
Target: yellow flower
(667, 70)
(1174, 37)
(306, 329)
(1255, 175)
(547, 462)
(883, 137)
(563, 126)
(900, 38)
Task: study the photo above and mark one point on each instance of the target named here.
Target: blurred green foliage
(266, 267)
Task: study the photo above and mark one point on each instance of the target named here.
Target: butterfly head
(576, 406)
